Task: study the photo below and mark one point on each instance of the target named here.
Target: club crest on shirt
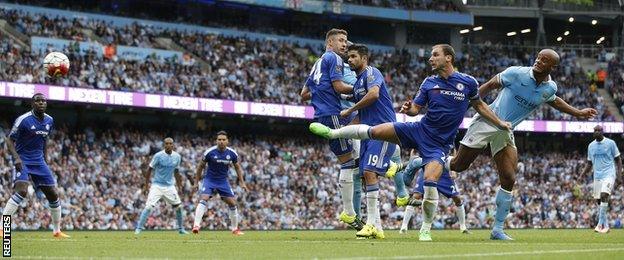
(460, 86)
(370, 78)
(47, 127)
(227, 157)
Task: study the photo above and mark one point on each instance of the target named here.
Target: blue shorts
(337, 146)
(211, 187)
(446, 185)
(40, 175)
(375, 156)
(413, 135)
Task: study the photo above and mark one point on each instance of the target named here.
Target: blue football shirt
(219, 162)
(30, 136)
(164, 166)
(381, 111)
(602, 155)
(325, 100)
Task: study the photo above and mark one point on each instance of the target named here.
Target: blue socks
(602, 214)
(399, 183)
(179, 221)
(144, 214)
(357, 194)
(503, 205)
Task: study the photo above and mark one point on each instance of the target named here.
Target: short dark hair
(335, 31)
(447, 50)
(37, 94)
(361, 49)
(222, 133)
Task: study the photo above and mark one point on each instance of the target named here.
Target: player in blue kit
(447, 96)
(446, 186)
(323, 87)
(603, 156)
(165, 165)
(374, 106)
(27, 146)
(523, 90)
(219, 159)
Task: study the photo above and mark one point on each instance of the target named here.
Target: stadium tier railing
(209, 105)
(596, 5)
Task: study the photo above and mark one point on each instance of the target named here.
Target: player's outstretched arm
(239, 173)
(488, 114)
(305, 94)
(148, 176)
(371, 97)
(487, 87)
(409, 108)
(618, 165)
(178, 178)
(564, 107)
(341, 87)
(198, 173)
(17, 161)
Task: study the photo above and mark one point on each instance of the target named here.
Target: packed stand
(292, 185)
(615, 72)
(239, 68)
(443, 6)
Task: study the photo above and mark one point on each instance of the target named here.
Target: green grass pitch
(449, 244)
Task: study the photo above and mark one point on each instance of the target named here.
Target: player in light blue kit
(219, 158)
(165, 165)
(447, 96)
(27, 145)
(523, 89)
(323, 87)
(603, 156)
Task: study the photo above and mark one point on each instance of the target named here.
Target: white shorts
(481, 133)
(603, 186)
(170, 194)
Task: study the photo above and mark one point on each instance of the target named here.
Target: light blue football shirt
(602, 155)
(350, 78)
(520, 94)
(164, 165)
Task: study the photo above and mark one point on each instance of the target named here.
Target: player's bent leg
(19, 195)
(143, 218)
(460, 212)
(433, 170)
(603, 212)
(55, 209)
(199, 213)
(506, 163)
(233, 215)
(463, 159)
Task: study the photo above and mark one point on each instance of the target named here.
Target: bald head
(551, 54)
(598, 134)
(546, 61)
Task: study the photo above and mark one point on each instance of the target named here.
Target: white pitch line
(208, 241)
(535, 252)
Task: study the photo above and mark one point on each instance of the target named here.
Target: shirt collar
(533, 77)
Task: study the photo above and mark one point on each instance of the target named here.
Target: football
(56, 64)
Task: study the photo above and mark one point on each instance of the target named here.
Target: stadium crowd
(243, 69)
(615, 72)
(292, 185)
(443, 6)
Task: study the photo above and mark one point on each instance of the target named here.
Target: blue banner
(45, 45)
(137, 53)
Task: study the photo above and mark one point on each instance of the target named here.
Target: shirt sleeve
(422, 97)
(554, 94)
(374, 79)
(15, 130)
(234, 157)
(614, 149)
(154, 161)
(473, 88)
(205, 158)
(506, 77)
(334, 67)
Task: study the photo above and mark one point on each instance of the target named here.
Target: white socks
(407, 216)
(56, 218)
(345, 182)
(233, 212)
(10, 208)
(372, 209)
(429, 206)
(199, 213)
(461, 216)
(351, 132)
